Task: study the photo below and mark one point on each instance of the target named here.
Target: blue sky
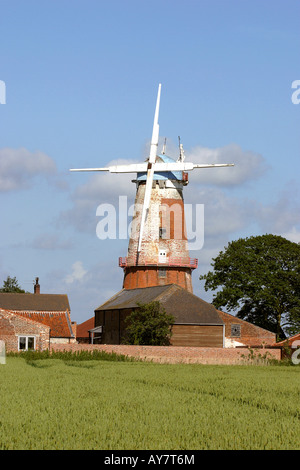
(81, 81)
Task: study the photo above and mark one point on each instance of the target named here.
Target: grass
(72, 402)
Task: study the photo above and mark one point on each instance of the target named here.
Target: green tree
(11, 285)
(149, 324)
(259, 277)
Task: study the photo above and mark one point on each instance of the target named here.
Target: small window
(22, 343)
(162, 233)
(26, 343)
(236, 331)
(30, 342)
(162, 272)
(162, 257)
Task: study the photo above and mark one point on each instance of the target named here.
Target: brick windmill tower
(158, 247)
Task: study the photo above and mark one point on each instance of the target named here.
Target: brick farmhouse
(34, 321)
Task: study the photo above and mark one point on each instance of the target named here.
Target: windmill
(156, 254)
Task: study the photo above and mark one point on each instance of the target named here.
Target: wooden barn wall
(113, 322)
(197, 335)
(114, 325)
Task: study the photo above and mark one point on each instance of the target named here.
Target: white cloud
(226, 213)
(19, 166)
(248, 165)
(280, 216)
(87, 288)
(293, 235)
(97, 188)
(77, 274)
(104, 186)
(223, 214)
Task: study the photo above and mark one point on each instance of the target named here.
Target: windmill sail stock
(151, 166)
(150, 169)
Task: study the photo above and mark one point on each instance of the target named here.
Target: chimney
(36, 286)
(74, 328)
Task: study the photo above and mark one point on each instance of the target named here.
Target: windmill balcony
(171, 262)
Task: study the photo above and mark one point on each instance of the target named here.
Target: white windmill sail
(151, 166)
(150, 169)
(158, 167)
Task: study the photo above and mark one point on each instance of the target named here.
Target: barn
(197, 322)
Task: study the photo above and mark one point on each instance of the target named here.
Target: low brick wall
(173, 354)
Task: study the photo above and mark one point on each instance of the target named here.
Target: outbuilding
(197, 322)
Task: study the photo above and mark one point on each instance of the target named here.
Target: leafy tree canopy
(149, 324)
(11, 285)
(259, 277)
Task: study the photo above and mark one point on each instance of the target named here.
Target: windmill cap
(162, 175)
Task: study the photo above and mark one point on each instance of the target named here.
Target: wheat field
(63, 404)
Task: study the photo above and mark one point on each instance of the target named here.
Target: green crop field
(96, 404)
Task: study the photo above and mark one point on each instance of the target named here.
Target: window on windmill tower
(162, 229)
(162, 233)
(236, 331)
(162, 257)
(162, 272)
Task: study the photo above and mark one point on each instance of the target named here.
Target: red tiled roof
(83, 328)
(59, 322)
(25, 319)
(288, 341)
(52, 310)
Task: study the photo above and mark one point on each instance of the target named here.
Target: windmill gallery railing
(171, 262)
